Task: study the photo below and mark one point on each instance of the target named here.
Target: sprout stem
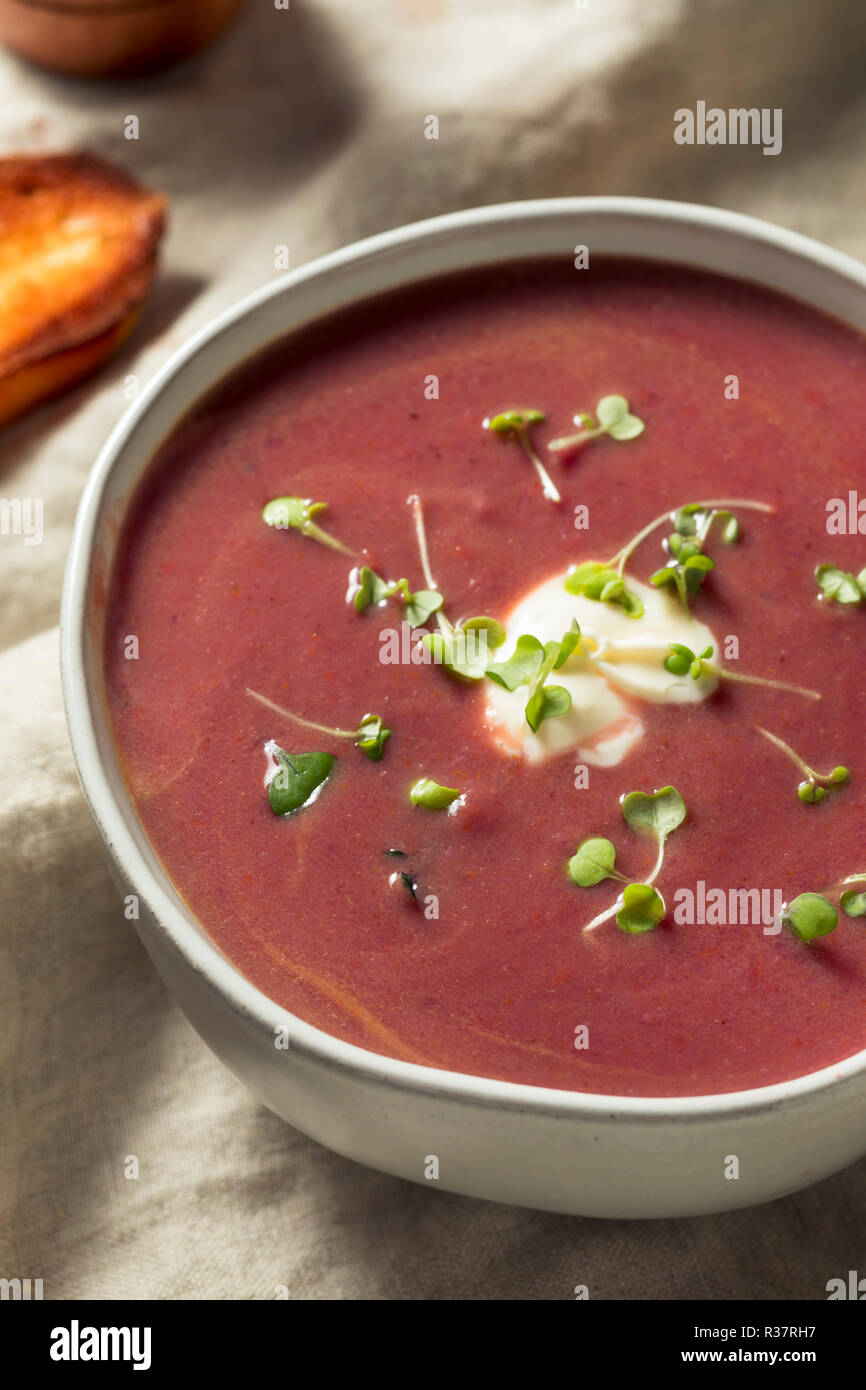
(611, 911)
(657, 868)
(444, 626)
(549, 488)
(799, 763)
(317, 534)
(572, 441)
(620, 558)
(604, 916)
(298, 719)
(761, 680)
(421, 533)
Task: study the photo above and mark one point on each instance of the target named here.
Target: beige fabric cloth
(305, 127)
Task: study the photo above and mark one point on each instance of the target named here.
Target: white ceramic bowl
(591, 1154)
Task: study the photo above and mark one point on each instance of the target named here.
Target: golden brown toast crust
(40, 381)
(78, 243)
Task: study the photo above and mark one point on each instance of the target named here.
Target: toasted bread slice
(39, 381)
(78, 244)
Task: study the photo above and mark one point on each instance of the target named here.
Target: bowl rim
(198, 951)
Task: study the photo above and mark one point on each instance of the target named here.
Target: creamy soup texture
(472, 947)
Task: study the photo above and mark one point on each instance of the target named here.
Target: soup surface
(468, 950)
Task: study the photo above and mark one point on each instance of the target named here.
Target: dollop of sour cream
(617, 669)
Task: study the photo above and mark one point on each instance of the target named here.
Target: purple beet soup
(502, 980)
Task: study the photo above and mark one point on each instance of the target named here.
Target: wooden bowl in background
(111, 38)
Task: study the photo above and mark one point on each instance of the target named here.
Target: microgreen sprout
(594, 861)
(604, 584)
(372, 589)
(688, 567)
(676, 518)
(698, 518)
(530, 664)
(461, 647)
(854, 904)
(296, 513)
(815, 786)
(522, 666)
(516, 424)
(655, 813)
(643, 907)
(297, 778)
(369, 589)
(372, 737)
(681, 660)
(417, 507)
(426, 792)
(640, 906)
(810, 915)
(840, 586)
(369, 738)
(612, 418)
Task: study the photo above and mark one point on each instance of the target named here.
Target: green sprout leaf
(516, 424)
(559, 652)
(550, 701)
(682, 661)
(422, 605)
(530, 664)
(297, 513)
(810, 915)
(816, 786)
(494, 632)
(854, 904)
(697, 520)
(643, 907)
(373, 589)
(510, 421)
(426, 792)
(372, 736)
(546, 702)
(605, 585)
(839, 586)
(657, 812)
(593, 861)
(686, 570)
(297, 779)
(464, 650)
(810, 793)
(613, 418)
(521, 666)
(688, 566)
